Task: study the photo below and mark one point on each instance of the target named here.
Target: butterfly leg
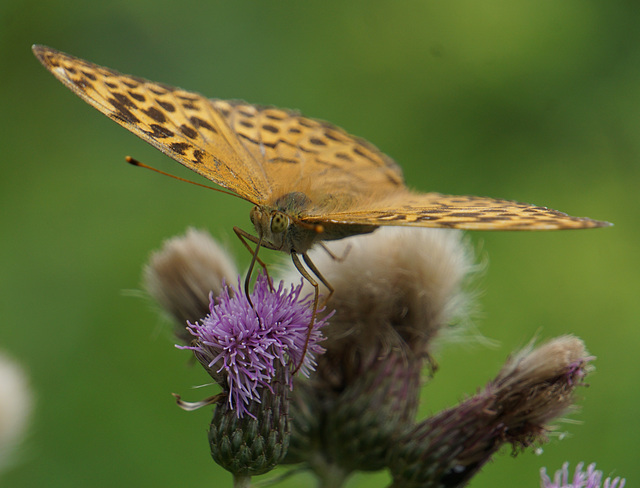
(242, 235)
(316, 272)
(316, 296)
(340, 259)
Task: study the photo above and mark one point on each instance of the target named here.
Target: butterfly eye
(279, 223)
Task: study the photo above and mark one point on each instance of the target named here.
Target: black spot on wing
(198, 122)
(329, 134)
(275, 144)
(460, 215)
(283, 160)
(158, 90)
(133, 82)
(344, 156)
(89, 75)
(82, 83)
(317, 142)
(198, 155)
(159, 132)
(137, 96)
(155, 114)
(169, 107)
(123, 99)
(188, 131)
(179, 147)
(121, 111)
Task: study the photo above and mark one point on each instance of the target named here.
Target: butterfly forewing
(183, 125)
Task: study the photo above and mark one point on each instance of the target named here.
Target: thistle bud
(256, 442)
(534, 387)
(394, 291)
(251, 348)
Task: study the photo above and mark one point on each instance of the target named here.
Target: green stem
(332, 477)
(241, 481)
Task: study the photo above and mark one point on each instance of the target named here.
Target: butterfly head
(272, 225)
(282, 232)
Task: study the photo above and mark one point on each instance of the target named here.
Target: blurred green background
(537, 101)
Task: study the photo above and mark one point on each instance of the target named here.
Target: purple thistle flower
(590, 478)
(246, 344)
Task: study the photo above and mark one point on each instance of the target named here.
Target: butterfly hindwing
(300, 154)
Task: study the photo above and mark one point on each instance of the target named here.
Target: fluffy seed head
(182, 274)
(394, 289)
(16, 401)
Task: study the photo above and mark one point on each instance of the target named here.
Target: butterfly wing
(264, 153)
(348, 181)
(184, 125)
(449, 211)
(310, 156)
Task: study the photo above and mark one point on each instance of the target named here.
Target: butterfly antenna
(135, 162)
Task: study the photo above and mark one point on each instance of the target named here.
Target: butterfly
(309, 180)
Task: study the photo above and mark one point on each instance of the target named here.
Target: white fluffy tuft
(396, 281)
(182, 274)
(16, 403)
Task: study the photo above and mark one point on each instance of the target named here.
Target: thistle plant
(353, 405)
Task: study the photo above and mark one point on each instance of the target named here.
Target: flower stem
(331, 476)
(241, 481)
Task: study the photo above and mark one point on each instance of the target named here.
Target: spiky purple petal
(246, 344)
(591, 478)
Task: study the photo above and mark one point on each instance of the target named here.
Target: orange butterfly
(309, 180)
